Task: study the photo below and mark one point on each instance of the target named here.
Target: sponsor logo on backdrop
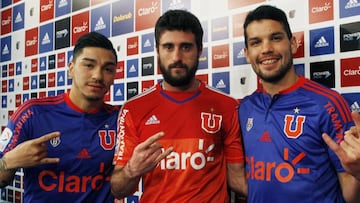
(147, 43)
(100, 20)
(132, 68)
(132, 89)
(42, 63)
(80, 26)
(61, 60)
(51, 62)
(132, 46)
(11, 69)
(322, 41)
(4, 86)
(46, 10)
(34, 82)
(147, 65)
(4, 71)
(31, 42)
(239, 53)
(238, 22)
(323, 73)
(42, 81)
(350, 37)
(26, 83)
(220, 28)
(118, 93)
(350, 72)
(300, 44)
(18, 17)
(147, 12)
(220, 56)
(18, 69)
(204, 59)
(349, 8)
(221, 81)
(5, 48)
(51, 79)
(62, 7)
(146, 84)
(6, 21)
(34, 65)
(46, 38)
(11, 85)
(60, 78)
(17, 100)
(62, 33)
(178, 4)
(122, 17)
(321, 10)
(120, 70)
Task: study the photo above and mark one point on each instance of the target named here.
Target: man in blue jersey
(66, 143)
(287, 159)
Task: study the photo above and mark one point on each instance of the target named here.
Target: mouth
(268, 61)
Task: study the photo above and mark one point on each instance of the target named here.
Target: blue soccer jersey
(286, 158)
(85, 148)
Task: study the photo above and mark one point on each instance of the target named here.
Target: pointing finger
(47, 137)
(332, 145)
(151, 140)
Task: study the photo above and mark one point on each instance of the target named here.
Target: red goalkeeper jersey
(203, 128)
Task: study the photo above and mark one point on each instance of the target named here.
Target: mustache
(97, 82)
(178, 64)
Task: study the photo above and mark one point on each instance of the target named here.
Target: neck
(193, 85)
(275, 87)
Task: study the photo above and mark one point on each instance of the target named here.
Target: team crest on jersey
(249, 124)
(291, 129)
(107, 139)
(211, 123)
(5, 138)
(55, 141)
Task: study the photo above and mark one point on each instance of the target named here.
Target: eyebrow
(94, 61)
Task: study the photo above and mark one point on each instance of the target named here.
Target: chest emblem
(211, 123)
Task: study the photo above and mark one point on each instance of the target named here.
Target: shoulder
(216, 94)
(37, 104)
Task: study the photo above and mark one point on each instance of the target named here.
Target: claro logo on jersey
(283, 171)
(61, 182)
(182, 160)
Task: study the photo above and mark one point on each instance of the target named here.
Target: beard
(179, 81)
(280, 74)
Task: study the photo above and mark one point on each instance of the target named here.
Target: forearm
(350, 188)
(236, 178)
(123, 183)
(6, 175)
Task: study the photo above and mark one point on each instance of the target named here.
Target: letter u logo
(211, 123)
(107, 139)
(299, 123)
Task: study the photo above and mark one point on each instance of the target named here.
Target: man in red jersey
(180, 136)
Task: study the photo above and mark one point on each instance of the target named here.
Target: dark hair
(179, 20)
(267, 12)
(93, 39)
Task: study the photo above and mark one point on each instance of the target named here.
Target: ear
(246, 52)
(294, 45)
(71, 70)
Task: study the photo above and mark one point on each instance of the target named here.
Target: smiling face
(178, 57)
(269, 50)
(92, 72)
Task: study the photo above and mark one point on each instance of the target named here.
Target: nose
(176, 55)
(97, 73)
(267, 47)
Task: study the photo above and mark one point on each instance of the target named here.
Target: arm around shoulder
(122, 182)
(236, 178)
(6, 175)
(350, 187)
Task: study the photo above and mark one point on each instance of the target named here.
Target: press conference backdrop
(37, 38)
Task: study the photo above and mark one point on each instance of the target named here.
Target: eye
(110, 69)
(254, 42)
(168, 47)
(186, 47)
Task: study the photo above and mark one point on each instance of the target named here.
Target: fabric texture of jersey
(286, 158)
(200, 125)
(85, 148)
